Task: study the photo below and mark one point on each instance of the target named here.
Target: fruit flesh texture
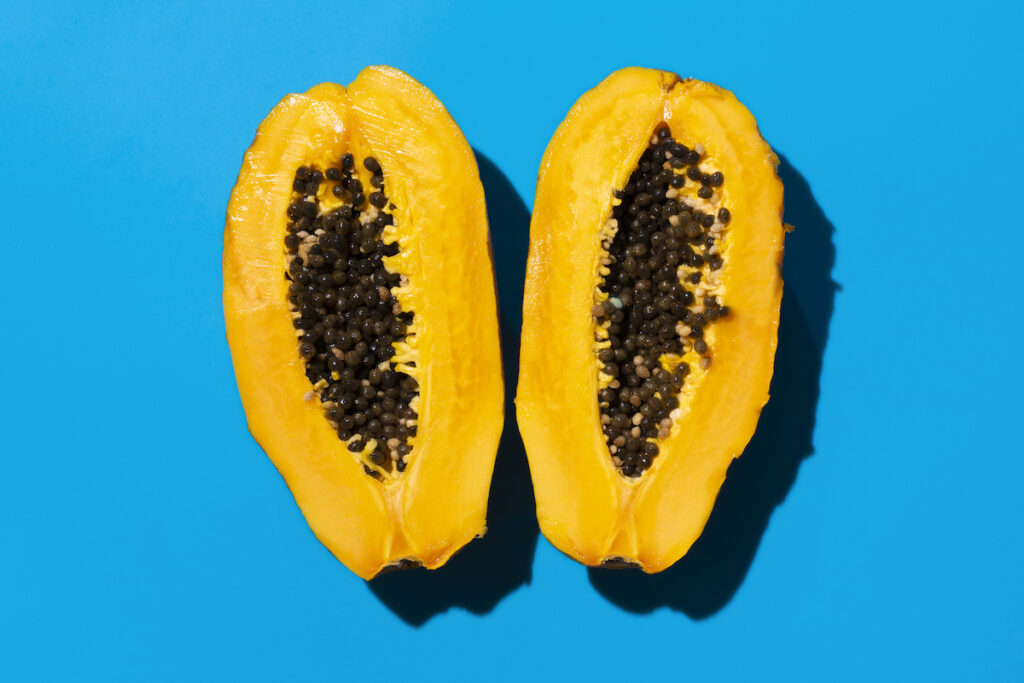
(584, 505)
(439, 504)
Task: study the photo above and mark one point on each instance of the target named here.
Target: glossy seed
(340, 294)
(647, 307)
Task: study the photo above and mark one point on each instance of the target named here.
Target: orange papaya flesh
(650, 314)
(361, 316)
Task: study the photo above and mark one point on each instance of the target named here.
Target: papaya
(650, 314)
(361, 316)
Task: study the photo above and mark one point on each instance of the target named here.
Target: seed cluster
(348, 321)
(659, 293)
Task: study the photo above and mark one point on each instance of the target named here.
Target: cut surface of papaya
(361, 316)
(650, 314)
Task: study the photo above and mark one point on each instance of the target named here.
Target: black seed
(643, 259)
(717, 179)
(372, 165)
(362, 335)
(724, 215)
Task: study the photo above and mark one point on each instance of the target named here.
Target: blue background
(872, 530)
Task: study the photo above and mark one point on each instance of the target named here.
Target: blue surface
(872, 531)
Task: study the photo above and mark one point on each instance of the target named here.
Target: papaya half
(361, 316)
(650, 314)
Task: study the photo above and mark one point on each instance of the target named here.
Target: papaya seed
(647, 305)
(349, 349)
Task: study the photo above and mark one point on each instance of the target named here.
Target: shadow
(706, 579)
(487, 569)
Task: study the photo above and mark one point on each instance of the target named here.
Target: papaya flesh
(650, 314)
(361, 316)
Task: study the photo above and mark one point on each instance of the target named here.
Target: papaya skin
(439, 503)
(585, 507)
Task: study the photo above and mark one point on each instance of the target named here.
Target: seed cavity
(659, 292)
(354, 338)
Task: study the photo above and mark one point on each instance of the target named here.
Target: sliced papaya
(650, 315)
(361, 315)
